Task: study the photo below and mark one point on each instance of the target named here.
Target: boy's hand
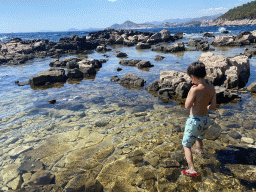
(194, 86)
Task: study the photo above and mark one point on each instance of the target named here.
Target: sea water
(19, 105)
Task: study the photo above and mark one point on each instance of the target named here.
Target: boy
(198, 99)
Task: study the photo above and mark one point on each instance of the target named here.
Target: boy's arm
(213, 102)
(190, 98)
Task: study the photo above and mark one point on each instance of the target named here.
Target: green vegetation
(246, 11)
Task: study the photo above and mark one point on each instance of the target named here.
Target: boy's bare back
(199, 98)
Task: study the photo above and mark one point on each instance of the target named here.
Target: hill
(188, 22)
(245, 11)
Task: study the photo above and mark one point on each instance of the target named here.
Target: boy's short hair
(197, 69)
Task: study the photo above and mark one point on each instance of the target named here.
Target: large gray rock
(42, 177)
(200, 45)
(75, 73)
(178, 35)
(144, 64)
(165, 35)
(157, 37)
(130, 62)
(52, 75)
(95, 63)
(138, 63)
(141, 45)
(225, 40)
(176, 47)
(132, 80)
(229, 72)
(171, 85)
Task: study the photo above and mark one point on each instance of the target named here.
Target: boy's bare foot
(198, 152)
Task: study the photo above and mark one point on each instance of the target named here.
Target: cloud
(213, 10)
(112, 0)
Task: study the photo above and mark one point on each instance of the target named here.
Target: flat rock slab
(30, 166)
(10, 172)
(18, 150)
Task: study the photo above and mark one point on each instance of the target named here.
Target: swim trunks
(195, 128)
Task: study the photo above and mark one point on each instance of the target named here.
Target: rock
(226, 40)
(41, 188)
(166, 35)
(208, 35)
(153, 86)
(144, 64)
(230, 72)
(159, 58)
(92, 185)
(114, 78)
(77, 183)
(10, 172)
(119, 69)
(168, 163)
(101, 123)
(174, 83)
(53, 101)
(75, 73)
(143, 46)
(250, 53)
(234, 135)
(178, 36)
(132, 80)
(223, 95)
(52, 75)
(247, 140)
(252, 87)
(213, 132)
(101, 48)
(87, 70)
(42, 177)
(15, 184)
(121, 54)
(31, 166)
(23, 83)
(89, 62)
(155, 38)
(72, 64)
(131, 62)
(18, 150)
(176, 47)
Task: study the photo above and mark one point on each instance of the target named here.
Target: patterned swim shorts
(195, 128)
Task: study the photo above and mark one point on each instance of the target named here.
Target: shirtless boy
(199, 97)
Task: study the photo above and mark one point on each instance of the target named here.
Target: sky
(61, 15)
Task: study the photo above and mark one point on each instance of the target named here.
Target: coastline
(123, 143)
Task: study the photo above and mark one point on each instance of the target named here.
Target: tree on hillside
(245, 11)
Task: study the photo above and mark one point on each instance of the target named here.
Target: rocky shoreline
(121, 149)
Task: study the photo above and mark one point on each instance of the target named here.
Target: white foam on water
(222, 29)
(2, 39)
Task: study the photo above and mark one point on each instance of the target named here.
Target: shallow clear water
(18, 104)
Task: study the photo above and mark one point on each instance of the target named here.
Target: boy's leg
(199, 144)
(199, 148)
(189, 158)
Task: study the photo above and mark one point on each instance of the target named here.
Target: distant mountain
(245, 11)
(169, 23)
(212, 17)
(88, 30)
(131, 25)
